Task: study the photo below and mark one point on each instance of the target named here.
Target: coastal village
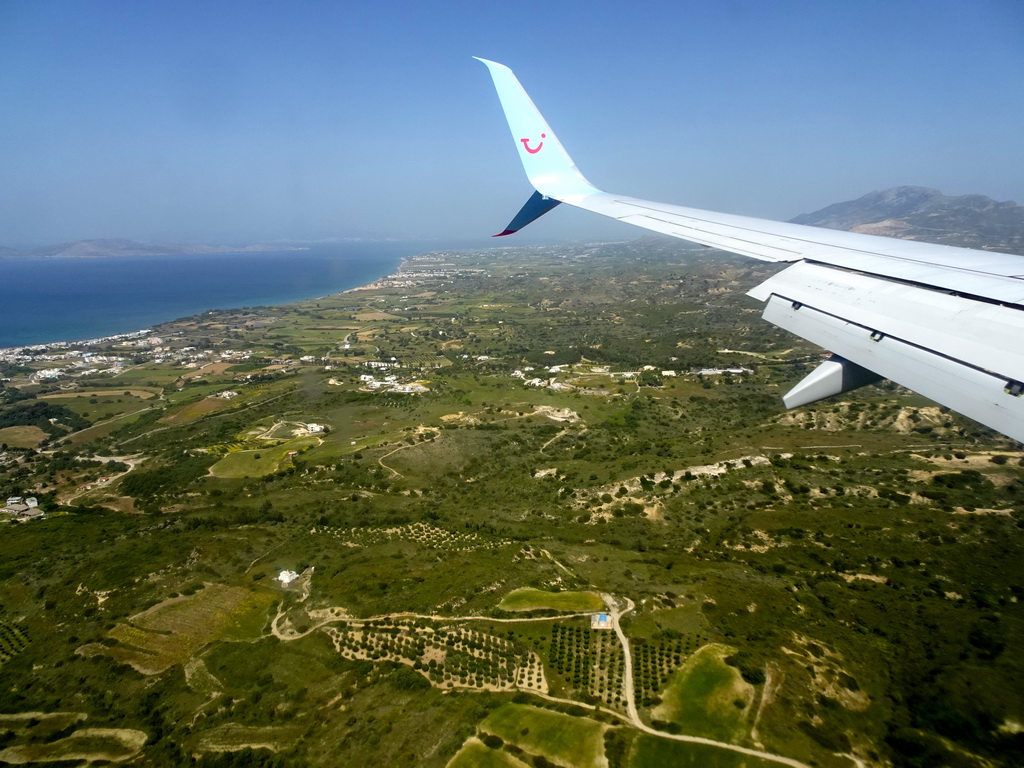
(173, 345)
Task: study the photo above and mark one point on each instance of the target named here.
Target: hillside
(521, 507)
(920, 213)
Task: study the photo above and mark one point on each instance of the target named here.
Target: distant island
(908, 212)
(114, 247)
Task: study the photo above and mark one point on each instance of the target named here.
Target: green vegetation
(12, 640)
(171, 632)
(529, 599)
(706, 697)
(476, 754)
(259, 462)
(840, 579)
(650, 752)
(560, 738)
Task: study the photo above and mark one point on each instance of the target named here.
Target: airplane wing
(946, 322)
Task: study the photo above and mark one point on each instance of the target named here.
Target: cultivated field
(170, 632)
(563, 739)
(529, 599)
(706, 697)
(22, 437)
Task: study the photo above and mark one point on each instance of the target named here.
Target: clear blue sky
(251, 121)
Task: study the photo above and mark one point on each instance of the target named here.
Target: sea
(48, 300)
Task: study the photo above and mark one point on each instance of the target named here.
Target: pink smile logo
(532, 151)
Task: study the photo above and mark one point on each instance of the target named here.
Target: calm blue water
(70, 299)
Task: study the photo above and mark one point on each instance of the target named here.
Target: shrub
(492, 741)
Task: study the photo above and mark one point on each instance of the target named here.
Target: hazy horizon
(196, 123)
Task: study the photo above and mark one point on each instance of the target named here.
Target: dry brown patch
(460, 418)
(142, 394)
(88, 745)
(654, 511)
(998, 512)
(849, 578)
(210, 368)
(827, 673)
(556, 414)
(22, 436)
(194, 410)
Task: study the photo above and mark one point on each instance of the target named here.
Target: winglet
(547, 164)
(535, 207)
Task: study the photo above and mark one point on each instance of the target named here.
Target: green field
(530, 599)
(652, 752)
(567, 740)
(474, 754)
(707, 697)
(257, 463)
(171, 632)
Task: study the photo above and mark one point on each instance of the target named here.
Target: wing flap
(969, 390)
(979, 334)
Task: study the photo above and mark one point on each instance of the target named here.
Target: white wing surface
(945, 322)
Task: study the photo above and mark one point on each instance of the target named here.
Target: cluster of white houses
(390, 384)
(19, 508)
(69, 359)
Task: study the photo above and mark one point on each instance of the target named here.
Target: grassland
(561, 738)
(22, 437)
(261, 461)
(474, 754)
(195, 409)
(529, 599)
(706, 697)
(233, 738)
(649, 752)
(172, 631)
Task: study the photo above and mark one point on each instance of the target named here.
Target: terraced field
(172, 631)
(13, 640)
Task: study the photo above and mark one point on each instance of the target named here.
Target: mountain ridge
(923, 213)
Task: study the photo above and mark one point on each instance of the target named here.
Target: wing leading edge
(946, 322)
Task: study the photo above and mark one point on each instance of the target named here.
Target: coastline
(130, 296)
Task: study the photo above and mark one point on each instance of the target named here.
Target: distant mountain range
(920, 213)
(96, 249)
